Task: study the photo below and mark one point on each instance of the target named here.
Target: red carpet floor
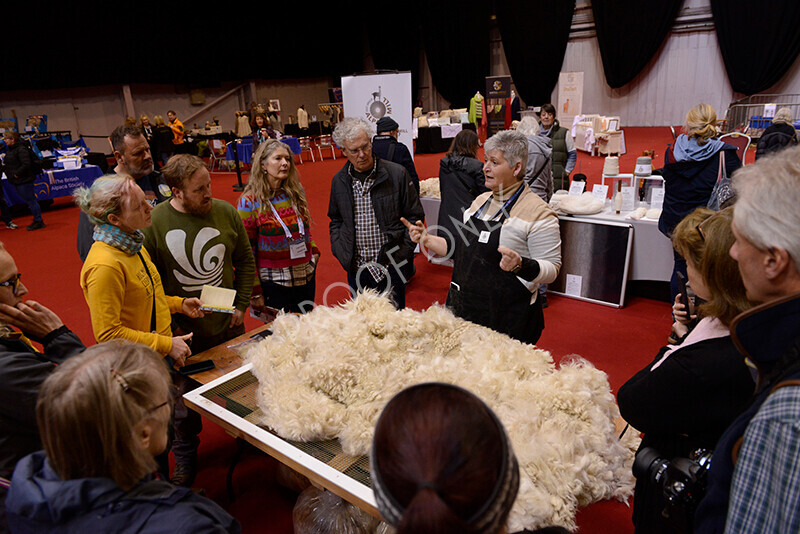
(617, 341)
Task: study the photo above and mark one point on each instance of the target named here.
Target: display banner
(373, 96)
(498, 88)
(570, 97)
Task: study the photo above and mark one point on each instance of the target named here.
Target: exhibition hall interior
(424, 267)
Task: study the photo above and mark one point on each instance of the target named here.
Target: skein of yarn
(611, 166)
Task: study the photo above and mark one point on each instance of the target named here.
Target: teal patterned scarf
(112, 235)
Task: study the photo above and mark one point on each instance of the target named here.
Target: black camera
(683, 481)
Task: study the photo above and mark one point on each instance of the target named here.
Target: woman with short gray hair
(508, 243)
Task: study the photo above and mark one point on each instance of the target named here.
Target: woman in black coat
(689, 394)
(691, 170)
(778, 135)
(460, 182)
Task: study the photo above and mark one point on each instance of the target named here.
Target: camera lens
(649, 464)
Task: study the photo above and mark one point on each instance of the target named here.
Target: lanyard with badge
(484, 236)
(297, 247)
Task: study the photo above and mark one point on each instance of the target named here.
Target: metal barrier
(747, 114)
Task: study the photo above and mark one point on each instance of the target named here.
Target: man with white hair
(755, 472)
(369, 195)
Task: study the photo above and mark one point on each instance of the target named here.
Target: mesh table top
(238, 396)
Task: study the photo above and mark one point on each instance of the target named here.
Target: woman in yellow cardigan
(121, 285)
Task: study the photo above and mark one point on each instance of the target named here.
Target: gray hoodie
(540, 150)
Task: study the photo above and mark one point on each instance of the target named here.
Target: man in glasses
(23, 368)
(755, 473)
(369, 195)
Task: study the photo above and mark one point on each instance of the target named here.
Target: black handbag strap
(153, 284)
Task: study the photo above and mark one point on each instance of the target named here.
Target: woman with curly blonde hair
(275, 214)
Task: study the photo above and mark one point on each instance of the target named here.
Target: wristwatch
(518, 267)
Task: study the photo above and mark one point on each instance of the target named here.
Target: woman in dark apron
(509, 243)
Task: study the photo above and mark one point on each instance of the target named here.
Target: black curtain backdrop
(456, 36)
(629, 33)
(535, 35)
(175, 43)
(395, 44)
(759, 41)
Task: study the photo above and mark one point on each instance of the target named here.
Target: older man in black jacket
(23, 369)
(386, 146)
(369, 195)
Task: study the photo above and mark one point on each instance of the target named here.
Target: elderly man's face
(752, 262)
(359, 152)
(12, 292)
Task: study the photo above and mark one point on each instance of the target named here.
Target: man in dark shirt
(132, 153)
(23, 368)
(387, 147)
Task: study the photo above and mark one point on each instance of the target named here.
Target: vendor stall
(598, 134)
(435, 139)
(54, 183)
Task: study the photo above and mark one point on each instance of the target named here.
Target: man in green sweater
(198, 240)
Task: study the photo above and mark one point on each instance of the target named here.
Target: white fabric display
(450, 130)
(588, 141)
(575, 121)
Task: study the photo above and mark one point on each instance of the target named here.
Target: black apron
(485, 294)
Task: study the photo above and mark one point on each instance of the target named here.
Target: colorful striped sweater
(267, 237)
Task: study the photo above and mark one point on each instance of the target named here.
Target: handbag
(723, 192)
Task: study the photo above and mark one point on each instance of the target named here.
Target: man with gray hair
(369, 195)
(753, 480)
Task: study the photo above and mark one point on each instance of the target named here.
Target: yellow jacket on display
(119, 293)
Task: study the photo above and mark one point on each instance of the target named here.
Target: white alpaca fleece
(429, 187)
(329, 373)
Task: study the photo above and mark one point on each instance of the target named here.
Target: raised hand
(509, 259)
(416, 231)
(30, 317)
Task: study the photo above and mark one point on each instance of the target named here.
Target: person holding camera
(753, 480)
(685, 399)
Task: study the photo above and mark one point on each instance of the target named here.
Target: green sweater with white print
(190, 251)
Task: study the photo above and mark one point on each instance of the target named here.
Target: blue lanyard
(510, 202)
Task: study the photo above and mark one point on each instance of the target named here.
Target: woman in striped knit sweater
(275, 214)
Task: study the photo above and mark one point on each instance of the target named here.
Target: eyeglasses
(700, 226)
(366, 149)
(13, 283)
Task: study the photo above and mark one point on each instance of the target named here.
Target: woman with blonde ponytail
(690, 172)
